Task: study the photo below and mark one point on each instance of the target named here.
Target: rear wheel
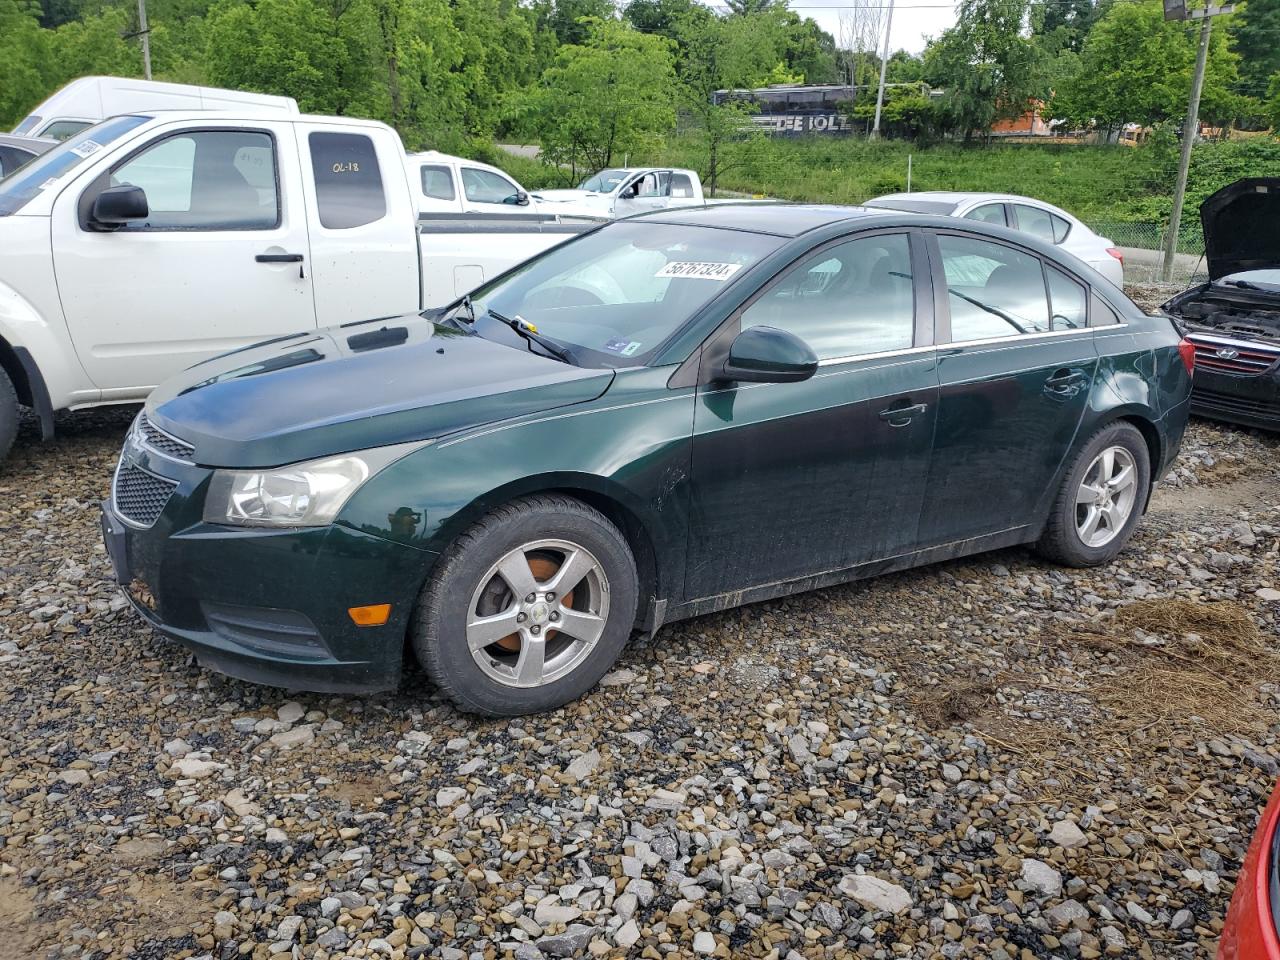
(528, 608)
(8, 414)
(1101, 499)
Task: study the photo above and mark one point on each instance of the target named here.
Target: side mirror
(518, 199)
(116, 206)
(769, 355)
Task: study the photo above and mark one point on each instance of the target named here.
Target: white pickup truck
(623, 191)
(447, 184)
(149, 242)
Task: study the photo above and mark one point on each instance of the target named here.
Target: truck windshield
(606, 181)
(614, 296)
(47, 169)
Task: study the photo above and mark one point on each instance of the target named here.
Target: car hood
(361, 385)
(1242, 227)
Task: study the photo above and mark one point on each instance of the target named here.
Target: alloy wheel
(1106, 497)
(537, 613)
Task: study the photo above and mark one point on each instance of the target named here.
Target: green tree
(1255, 36)
(605, 98)
(26, 73)
(717, 54)
(663, 16)
(1136, 67)
(990, 70)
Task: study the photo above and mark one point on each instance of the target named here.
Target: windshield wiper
(531, 335)
(996, 311)
(1244, 285)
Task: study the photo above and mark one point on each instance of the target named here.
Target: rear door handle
(1065, 381)
(282, 258)
(901, 416)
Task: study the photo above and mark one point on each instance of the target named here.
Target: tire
(8, 414)
(469, 600)
(1067, 539)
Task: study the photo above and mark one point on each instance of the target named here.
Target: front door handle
(282, 258)
(901, 416)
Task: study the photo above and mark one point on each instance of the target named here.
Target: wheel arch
(613, 500)
(28, 383)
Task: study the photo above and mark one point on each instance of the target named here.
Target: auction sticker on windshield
(699, 270)
(86, 148)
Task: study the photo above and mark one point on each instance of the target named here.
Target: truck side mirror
(519, 199)
(116, 206)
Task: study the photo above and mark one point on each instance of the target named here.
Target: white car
(1040, 219)
(624, 191)
(447, 184)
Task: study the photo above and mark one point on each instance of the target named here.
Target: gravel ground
(986, 758)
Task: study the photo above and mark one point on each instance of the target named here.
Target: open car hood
(1242, 227)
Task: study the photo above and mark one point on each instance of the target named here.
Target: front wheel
(1103, 494)
(528, 608)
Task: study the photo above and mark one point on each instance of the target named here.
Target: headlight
(300, 495)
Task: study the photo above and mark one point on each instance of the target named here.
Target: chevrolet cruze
(671, 415)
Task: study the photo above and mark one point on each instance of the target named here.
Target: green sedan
(671, 415)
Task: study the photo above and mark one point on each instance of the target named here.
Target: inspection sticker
(699, 270)
(626, 348)
(86, 148)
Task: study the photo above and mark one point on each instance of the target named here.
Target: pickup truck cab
(84, 102)
(447, 184)
(623, 191)
(151, 242)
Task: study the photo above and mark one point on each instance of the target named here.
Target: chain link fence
(1143, 247)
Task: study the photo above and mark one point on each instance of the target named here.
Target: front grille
(1230, 403)
(157, 439)
(140, 496)
(1246, 360)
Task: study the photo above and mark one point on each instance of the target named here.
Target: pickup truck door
(652, 192)
(485, 191)
(363, 223)
(218, 263)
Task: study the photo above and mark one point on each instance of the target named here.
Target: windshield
(1268, 280)
(614, 296)
(606, 181)
(45, 170)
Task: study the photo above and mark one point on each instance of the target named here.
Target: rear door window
(993, 290)
(437, 182)
(1033, 220)
(348, 181)
(61, 129)
(681, 185)
(1068, 300)
(988, 213)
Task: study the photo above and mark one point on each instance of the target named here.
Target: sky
(913, 20)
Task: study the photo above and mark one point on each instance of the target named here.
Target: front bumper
(268, 606)
(1237, 385)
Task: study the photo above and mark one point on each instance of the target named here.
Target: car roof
(36, 144)
(435, 156)
(779, 219)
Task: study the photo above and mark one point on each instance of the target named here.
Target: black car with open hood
(1234, 318)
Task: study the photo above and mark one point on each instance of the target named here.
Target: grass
(1124, 191)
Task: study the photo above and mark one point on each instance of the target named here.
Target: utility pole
(884, 63)
(145, 34)
(1177, 11)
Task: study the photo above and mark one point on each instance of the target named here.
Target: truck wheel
(528, 608)
(8, 414)
(1102, 496)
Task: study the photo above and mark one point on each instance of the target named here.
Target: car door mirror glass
(769, 355)
(518, 199)
(116, 206)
